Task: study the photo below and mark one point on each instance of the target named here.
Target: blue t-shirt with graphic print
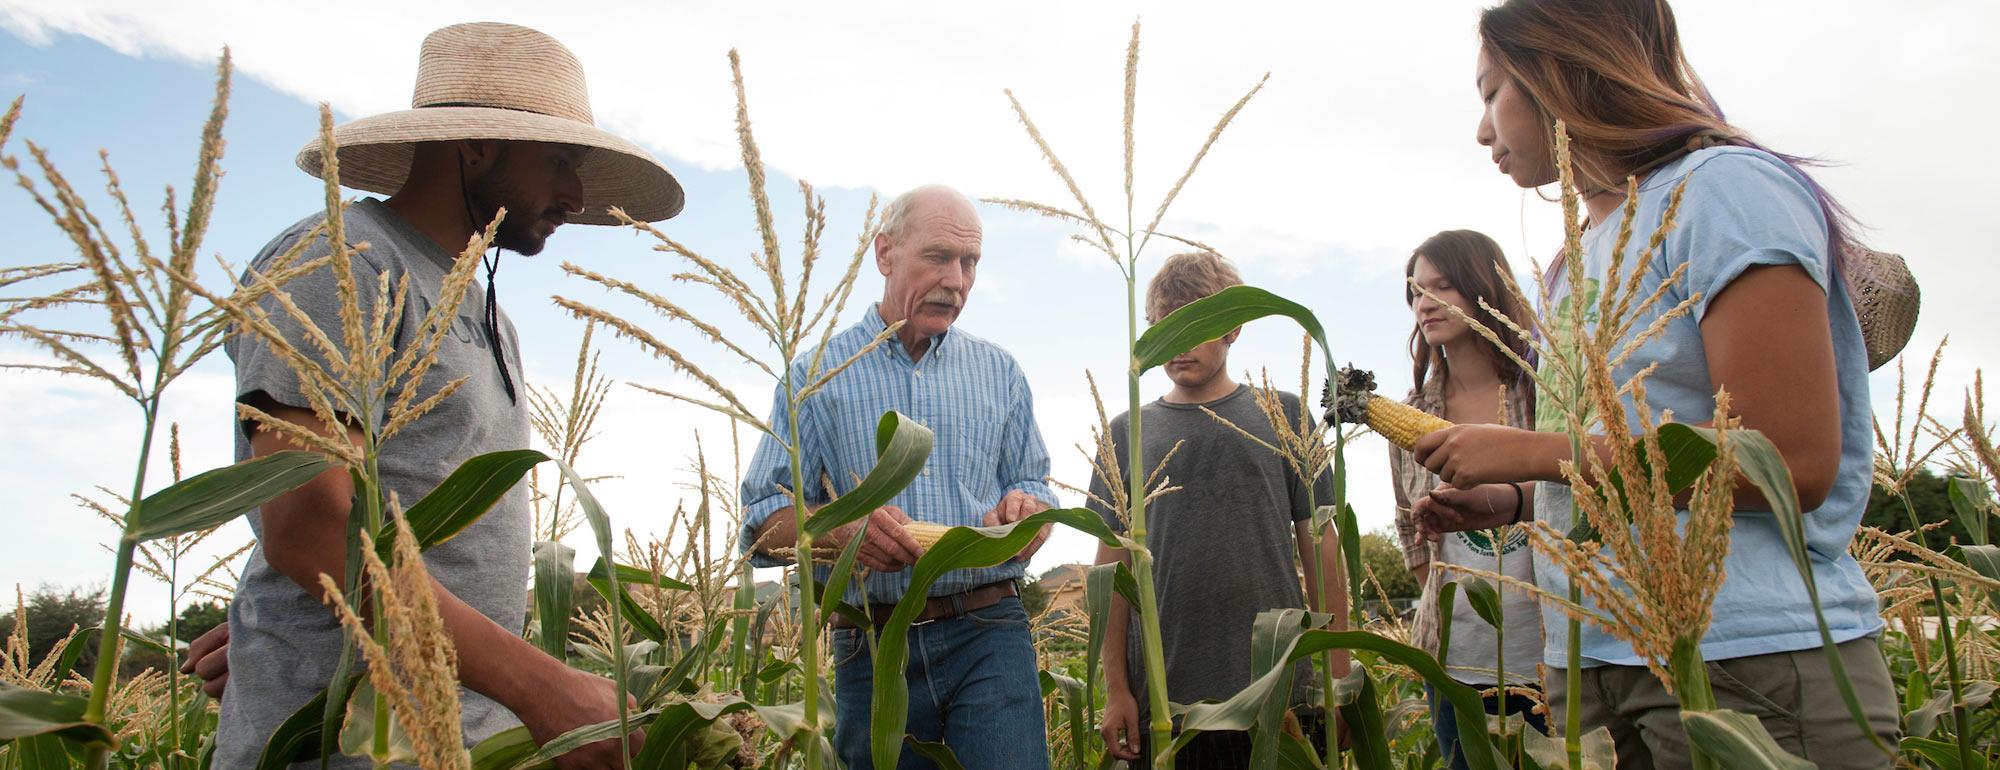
(1743, 208)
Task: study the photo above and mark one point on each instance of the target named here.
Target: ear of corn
(926, 533)
(1398, 422)
(1401, 423)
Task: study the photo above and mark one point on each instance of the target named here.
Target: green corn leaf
(1349, 529)
(1550, 752)
(1076, 707)
(464, 496)
(1484, 598)
(211, 499)
(1361, 711)
(614, 592)
(44, 752)
(1240, 710)
(297, 739)
(357, 734)
(1689, 451)
(86, 640)
(1973, 502)
(630, 575)
(1738, 740)
(835, 587)
(679, 736)
(1272, 634)
(1098, 586)
(959, 548)
(1984, 559)
(901, 448)
(1940, 753)
(1922, 720)
(505, 753)
(506, 748)
(680, 678)
(600, 530)
(1765, 468)
(938, 753)
(27, 713)
(555, 586)
(1447, 599)
(1212, 317)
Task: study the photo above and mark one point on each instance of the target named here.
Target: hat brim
(374, 155)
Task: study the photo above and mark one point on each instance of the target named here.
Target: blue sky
(1358, 149)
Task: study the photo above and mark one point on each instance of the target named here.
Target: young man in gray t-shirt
(1227, 546)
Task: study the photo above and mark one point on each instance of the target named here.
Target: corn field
(723, 673)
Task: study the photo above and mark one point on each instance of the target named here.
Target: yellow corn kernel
(1401, 423)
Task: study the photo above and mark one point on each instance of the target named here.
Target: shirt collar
(874, 325)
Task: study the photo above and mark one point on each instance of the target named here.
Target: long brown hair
(1472, 263)
(1614, 72)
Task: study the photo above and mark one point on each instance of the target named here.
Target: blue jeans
(973, 685)
(1445, 720)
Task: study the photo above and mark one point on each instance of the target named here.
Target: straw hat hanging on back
(1885, 298)
(501, 81)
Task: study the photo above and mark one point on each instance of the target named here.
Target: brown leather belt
(939, 607)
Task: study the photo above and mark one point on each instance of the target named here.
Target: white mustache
(945, 298)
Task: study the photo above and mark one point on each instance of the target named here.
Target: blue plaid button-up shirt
(968, 391)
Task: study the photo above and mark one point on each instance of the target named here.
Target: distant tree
(1930, 496)
(1034, 597)
(196, 619)
(52, 614)
(1381, 555)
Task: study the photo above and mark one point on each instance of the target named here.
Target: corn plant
(156, 328)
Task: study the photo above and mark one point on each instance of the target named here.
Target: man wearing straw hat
(500, 119)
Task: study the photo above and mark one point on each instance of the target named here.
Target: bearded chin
(519, 236)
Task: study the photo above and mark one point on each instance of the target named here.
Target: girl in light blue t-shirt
(1773, 325)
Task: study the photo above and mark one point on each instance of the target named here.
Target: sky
(1359, 146)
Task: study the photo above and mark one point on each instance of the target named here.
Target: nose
(569, 192)
(955, 277)
(1484, 133)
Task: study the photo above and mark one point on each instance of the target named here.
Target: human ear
(882, 259)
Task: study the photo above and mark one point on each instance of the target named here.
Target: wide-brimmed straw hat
(501, 81)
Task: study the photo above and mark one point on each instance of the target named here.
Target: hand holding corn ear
(1398, 422)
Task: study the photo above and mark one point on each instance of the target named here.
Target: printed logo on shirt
(1481, 540)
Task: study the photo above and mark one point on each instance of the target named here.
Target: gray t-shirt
(1223, 546)
(283, 644)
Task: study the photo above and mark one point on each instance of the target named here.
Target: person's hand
(574, 700)
(1120, 728)
(1467, 456)
(888, 547)
(1448, 509)
(1015, 506)
(208, 658)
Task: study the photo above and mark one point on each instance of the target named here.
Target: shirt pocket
(971, 438)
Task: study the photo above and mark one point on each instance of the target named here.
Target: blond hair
(1187, 277)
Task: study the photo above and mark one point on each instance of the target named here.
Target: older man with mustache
(971, 675)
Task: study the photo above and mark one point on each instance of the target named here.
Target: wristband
(1520, 502)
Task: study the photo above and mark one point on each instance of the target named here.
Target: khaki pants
(1792, 693)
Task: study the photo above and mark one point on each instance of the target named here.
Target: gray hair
(898, 210)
